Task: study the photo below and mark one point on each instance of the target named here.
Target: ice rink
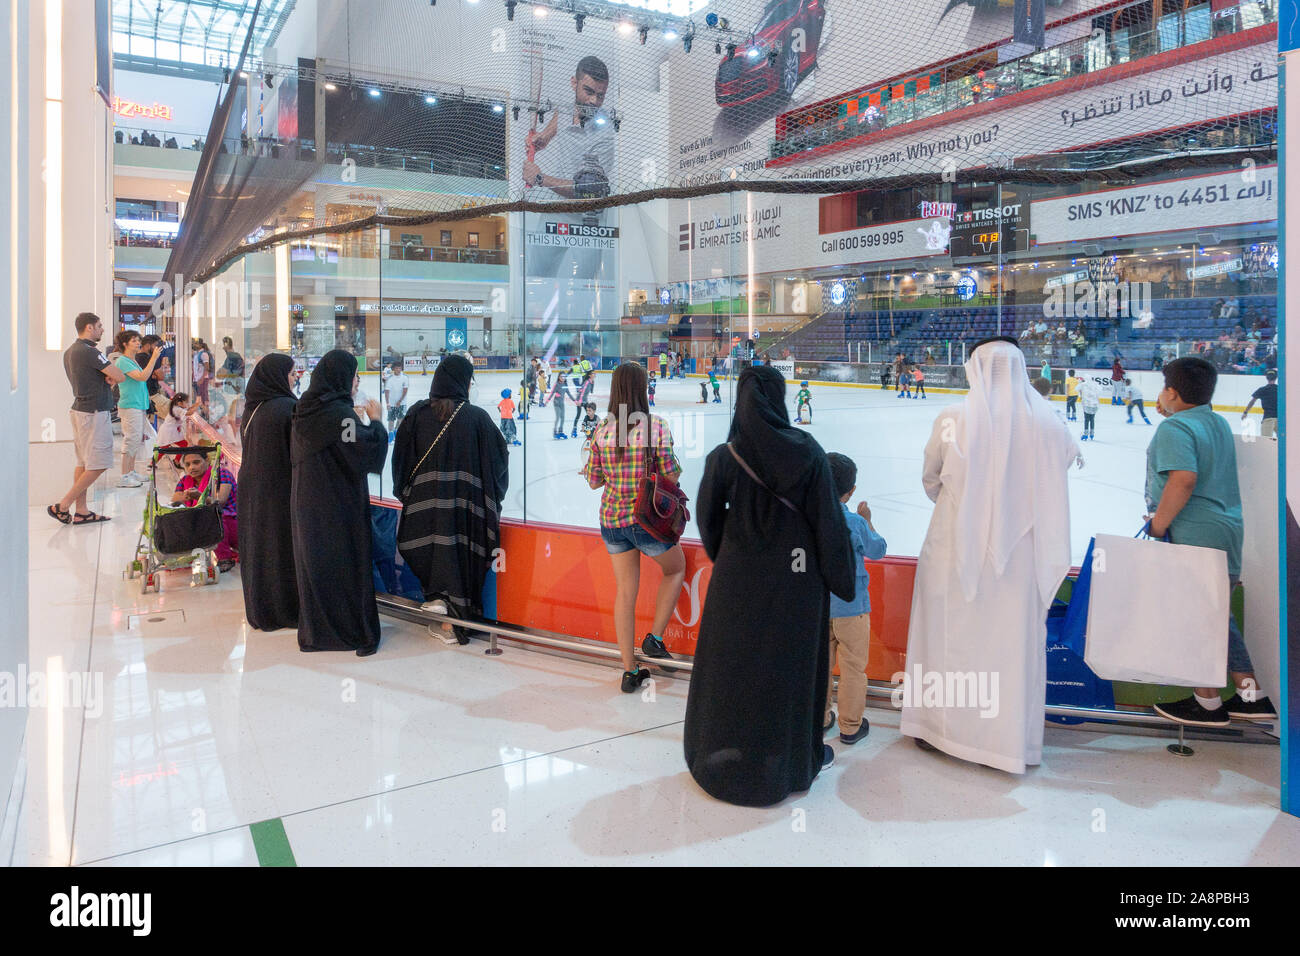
(884, 434)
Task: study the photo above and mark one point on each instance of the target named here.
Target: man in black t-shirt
(1266, 395)
(92, 377)
(232, 369)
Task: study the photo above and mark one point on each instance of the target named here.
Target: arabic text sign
(1218, 199)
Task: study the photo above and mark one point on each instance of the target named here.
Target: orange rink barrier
(559, 578)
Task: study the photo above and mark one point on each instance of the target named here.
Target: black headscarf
(452, 378)
(318, 417)
(761, 431)
(270, 379)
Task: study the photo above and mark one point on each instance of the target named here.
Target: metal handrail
(407, 609)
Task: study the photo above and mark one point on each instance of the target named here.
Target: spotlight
(643, 33)
(771, 57)
(431, 100)
(539, 11)
(498, 108)
(514, 112)
(616, 123)
(268, 78)
(374, 93)
(731, 51)
(330, 87)
(510, 9)
(541, 116)
(686, 44)
(578, 19)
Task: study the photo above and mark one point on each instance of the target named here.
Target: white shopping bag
(1158, 613)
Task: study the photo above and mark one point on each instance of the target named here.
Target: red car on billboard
(775, 59)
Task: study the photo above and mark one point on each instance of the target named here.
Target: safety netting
(365, 113)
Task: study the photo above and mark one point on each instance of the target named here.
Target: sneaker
(438, 606)
(654, 647)
(449, 638)
(826, 728)
(574, 434)
(1238, 709)
(129, 480)
(828, 756)
(634, 679)
(1189, 712)
(857, 735)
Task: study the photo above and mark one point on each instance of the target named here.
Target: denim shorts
(620, 540)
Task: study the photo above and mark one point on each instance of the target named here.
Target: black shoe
(1189, 712)
(1261, 709)
(653, 647)
(829, 724)
(925, 744)
(367, 651)
(634, 679)
(858, 735)
(225, 566)
(828, 756)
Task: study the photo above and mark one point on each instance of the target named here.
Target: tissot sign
(575, 235)
(1215, 199)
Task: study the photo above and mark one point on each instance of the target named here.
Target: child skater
(713, 381)
(585, 386)
(918, 379)
(652, 389)
(559, 389)
(905, 383)
(801, 401)
(1090, 399)
(506, 407)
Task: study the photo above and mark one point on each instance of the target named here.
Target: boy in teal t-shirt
(1192, 494)
(801, 401)
(717, 389)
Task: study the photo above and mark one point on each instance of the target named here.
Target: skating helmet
(505, 393)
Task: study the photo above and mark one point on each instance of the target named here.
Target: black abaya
(332, 453)
(754, 712)
(450, 523)
(265, 474)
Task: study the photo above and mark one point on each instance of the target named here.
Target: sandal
(58, 514)
(89, 518)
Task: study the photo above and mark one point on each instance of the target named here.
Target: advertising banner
(1216, 199)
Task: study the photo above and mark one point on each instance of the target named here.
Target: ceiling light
(625, 27)
(539, 11)
(374, 93)
(330, 87)
(431, 100)
(498, 108)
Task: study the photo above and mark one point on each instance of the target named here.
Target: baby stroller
(174, 538)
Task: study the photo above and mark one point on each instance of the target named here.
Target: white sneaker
(129, 480)
(437, 607)
(449, 638)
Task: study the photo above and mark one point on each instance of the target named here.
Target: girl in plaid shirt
(617, 464)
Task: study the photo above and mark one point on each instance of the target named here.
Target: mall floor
(210, 744)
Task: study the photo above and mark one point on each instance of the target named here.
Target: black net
(407, 113)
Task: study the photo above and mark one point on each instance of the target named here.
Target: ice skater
(1134, 394)
(918, 379)
(652, 389)
(506, 407)
(905, 383)
(802, 400)
(713, 381)
(559, 389)
(1090, 399)
(1071, 395)
(585, 386)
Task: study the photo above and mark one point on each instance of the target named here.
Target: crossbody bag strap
(406, 491)
(761, 483)
(256, 408)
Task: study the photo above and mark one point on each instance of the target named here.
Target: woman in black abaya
(265, 475)
(451, 514)
(754, 712)
(332, 452)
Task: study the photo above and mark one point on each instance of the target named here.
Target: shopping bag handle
(1145, 532)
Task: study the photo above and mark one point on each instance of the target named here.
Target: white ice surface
(883, 434)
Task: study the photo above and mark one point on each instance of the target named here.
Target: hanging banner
(1215, 199)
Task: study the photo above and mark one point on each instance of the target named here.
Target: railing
(373, 157)
(1066, 60)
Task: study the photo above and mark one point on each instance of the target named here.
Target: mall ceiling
(191, 34)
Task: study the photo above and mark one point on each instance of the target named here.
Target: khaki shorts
(92, 437)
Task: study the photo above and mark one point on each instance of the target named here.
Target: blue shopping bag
(1070, 682)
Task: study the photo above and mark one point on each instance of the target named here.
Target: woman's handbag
(660, 509)
(410, 482)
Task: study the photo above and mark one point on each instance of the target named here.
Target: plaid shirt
(621, 478)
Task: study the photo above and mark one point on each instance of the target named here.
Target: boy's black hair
(1070, 372)
(594, 67)
(844, 473)
(1271, 375)
(1193, 378)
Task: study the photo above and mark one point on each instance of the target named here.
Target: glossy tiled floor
(432, 754)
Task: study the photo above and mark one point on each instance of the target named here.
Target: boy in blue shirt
(1192, 493)
(851, 620)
